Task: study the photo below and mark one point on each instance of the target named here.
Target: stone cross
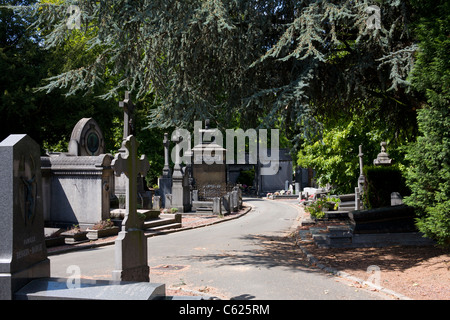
(361, 179)
(360, 155)
(131, 166)
(131, 243)
(128, 115)
(166, 143)
(177, 165)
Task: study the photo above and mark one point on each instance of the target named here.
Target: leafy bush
(315, 209)
(429, 173)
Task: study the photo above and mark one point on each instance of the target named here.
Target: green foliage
(48, 117)
(429, 173)
(251, 62)
(381, 182)
(334, 155)
(315, 209)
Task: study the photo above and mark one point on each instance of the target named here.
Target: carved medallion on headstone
(87, 139)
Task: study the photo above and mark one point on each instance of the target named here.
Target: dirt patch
(418, 272)
(421, 273)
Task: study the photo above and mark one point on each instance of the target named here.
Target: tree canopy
(243, 62)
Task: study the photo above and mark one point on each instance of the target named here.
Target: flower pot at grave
(74, 237)
(107, 232)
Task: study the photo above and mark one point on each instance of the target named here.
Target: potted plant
(104, 228)
(75, 234)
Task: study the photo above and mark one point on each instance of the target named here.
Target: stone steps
(164, 221)
(155, 221)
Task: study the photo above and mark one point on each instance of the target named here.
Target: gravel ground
(420, 273)
(417, 272)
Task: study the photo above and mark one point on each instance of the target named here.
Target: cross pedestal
(131, 244)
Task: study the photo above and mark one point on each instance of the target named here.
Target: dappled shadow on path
(266, 251)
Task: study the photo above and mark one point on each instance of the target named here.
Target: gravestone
(23, 254)
(361, 182)
(362, 178)
(217, 206)
(131, 243)
(86, 139)
(396, 199)
(181, 195)
(383, 157)
(129, 127)
(78, 185)
(209, 167)
(165, 182)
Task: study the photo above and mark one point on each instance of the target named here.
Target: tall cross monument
(128, 115)
(131, 243)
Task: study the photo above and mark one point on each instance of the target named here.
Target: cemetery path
(253, 257)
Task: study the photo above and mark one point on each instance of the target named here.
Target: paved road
(246, 258)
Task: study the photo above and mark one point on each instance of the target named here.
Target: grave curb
(148, 235)
(250, 208)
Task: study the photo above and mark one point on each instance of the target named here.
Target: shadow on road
(271, 251)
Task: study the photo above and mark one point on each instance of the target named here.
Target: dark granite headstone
(23, 254)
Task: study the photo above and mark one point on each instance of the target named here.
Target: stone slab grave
(78, 184)
(67, 289)
(370, 228)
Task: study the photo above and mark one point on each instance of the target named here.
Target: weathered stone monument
(165, 182)
(86, 139)
(23, 255)
(131, 243)
(181, 197)
(144, 197)
(209, 169)
(78, 184)
(361, 181)
(383, 157)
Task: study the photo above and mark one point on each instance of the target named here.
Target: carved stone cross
(131, 243)
(129, 164)
(128, 115)
(166, 143)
